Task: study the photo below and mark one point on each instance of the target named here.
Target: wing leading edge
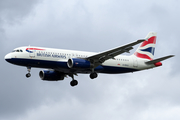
(99, 58)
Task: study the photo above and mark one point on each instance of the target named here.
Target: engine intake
(51, 75)
(79, 63)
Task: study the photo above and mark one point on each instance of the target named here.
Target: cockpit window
(17, 51)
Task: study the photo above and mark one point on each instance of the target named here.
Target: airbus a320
(59, 63)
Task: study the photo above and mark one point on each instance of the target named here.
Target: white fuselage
(57, 59)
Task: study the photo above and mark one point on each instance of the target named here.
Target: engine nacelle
(79, 63)
(51, 75)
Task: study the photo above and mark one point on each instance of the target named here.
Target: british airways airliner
(59, 63)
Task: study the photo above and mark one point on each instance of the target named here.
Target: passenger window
(21, 51)
(17, 50)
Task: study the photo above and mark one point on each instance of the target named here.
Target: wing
(99, 58)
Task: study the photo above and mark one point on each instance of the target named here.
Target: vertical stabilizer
(147, 48)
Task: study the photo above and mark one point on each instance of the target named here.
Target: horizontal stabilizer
(159, 59)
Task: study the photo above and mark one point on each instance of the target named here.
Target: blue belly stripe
(63, 65)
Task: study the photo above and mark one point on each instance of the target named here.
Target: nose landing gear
(28, 74)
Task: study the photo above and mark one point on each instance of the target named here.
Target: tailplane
(157, 62)
(147, 48)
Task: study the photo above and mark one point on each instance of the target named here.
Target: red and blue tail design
(147, 48)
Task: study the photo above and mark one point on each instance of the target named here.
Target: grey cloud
(15, 10)
(14, 95)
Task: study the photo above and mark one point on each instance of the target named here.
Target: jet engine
(79, 63)
(51, 75)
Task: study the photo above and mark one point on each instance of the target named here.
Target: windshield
(19, 50)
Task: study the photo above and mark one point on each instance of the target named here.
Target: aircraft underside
(58, 70)
(62, 66)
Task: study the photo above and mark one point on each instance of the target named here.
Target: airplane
(60, 63)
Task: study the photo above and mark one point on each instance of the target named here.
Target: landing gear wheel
(29, 70)
(28, 75)
(93, 75)
(73, 83)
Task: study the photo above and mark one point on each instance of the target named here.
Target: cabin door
(31, 52)
(135, 62)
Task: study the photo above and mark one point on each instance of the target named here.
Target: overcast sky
(90, 25)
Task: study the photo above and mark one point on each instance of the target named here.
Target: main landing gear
(28, 74)
(73, 82)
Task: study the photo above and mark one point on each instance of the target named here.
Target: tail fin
(147, 48)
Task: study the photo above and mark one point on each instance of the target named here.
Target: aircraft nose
(8, 57)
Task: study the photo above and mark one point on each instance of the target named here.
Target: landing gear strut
(73, 82)
(28, 74)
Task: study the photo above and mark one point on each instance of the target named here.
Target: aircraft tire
(93, 75)
(74, 83)
(28, 75)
